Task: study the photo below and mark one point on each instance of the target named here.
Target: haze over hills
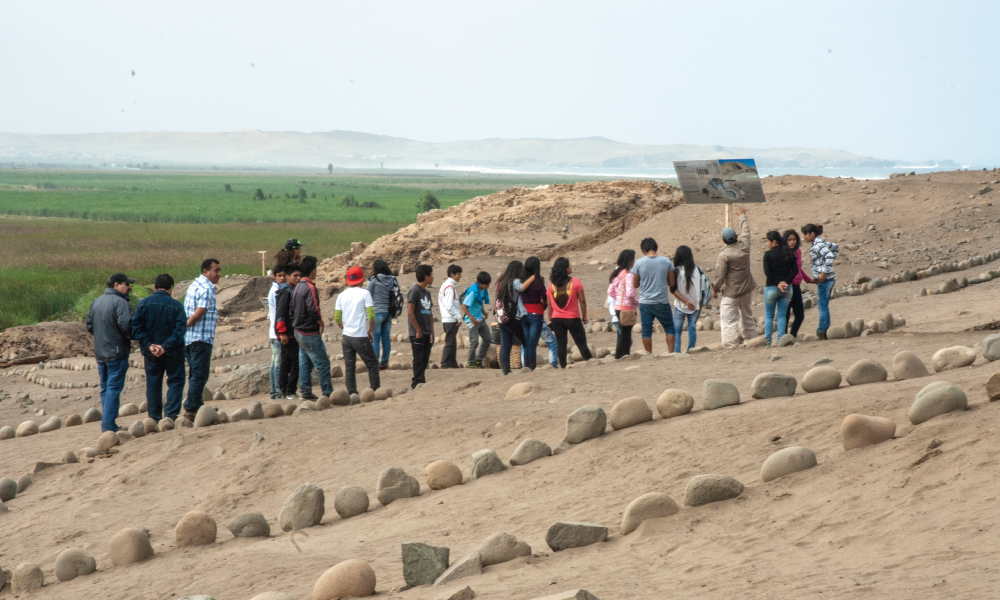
(348, 149)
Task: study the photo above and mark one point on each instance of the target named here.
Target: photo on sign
(721, 181)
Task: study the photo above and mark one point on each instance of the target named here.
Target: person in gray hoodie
(383, 287)
(109, 320)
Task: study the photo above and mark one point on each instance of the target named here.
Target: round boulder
(127, 410)
(907, 365)
(92, 415)
(68, 457)
(705, 489)
(629, 412)
(24, 481)
(653, 505)
(74, 562)
(674, 403)
(501, 548)
(866, 371)
(520, 390)
(195, 529)
(130, 545)
(937, 399)
(289, 408)
(993, 387)
(256, 411)
(165, 424)
(858, 431)
(528, 451)
(821, 379)
(953, 357)
(773, 385)
(303, 508)
(585, 423)
(787, 461)
(51, 424)
(74, 420)
(716, 394)
(836, 333)
(7, 432)
(274, 410)
(249, 525)
(27, 428)
(351, 578)
(383, 394)
(206, 416)
(442, 474)
(340, 397)
(240, 414)
(150, 426)
(367, 395)
(351, 501)
(137, 429)
(26, 578)
(8, 489)
(990, 347)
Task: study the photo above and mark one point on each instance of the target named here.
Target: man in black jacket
(288, 370)
(158, 325)
(307, 321)
(109, 320)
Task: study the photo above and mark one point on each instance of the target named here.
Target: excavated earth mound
(57, 339)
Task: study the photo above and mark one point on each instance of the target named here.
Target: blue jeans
(312, 353)
(549, 338)
(112, 376)
(199, 358)
(532, 325)
(774, 299)
(659, 312)
(172, 365)
(692, 320)
(824, 304)
(275, 368)
(383, 337)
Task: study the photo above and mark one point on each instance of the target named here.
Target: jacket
(159, 319)
(283, 310)
(109, 320)
(622, 289)
(822, 254)
(306, 316)
(733, 278)
(450, 307)
(380, 286)
(779, 268)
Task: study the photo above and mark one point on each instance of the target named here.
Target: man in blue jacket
(109, 321)
(158, 325)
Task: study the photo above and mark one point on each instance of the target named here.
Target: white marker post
(263, 267)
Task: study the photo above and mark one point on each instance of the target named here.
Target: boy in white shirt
(451, 316)
(355, 315)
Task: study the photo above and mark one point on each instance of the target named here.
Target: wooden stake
(263, 267)
(729, 215)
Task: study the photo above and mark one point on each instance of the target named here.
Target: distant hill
(349, 149)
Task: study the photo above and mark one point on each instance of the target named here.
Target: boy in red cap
(355, 315)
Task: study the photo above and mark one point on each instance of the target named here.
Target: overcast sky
(900, 80)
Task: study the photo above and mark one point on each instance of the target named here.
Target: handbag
(626, 317)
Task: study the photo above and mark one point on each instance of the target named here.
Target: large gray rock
(467, 566)
(530, 450)
(137, 429)
(303, 508)
(990, 347)
(953, 357)
(500, 548)
(773, 385)
(866, 371)
(716, 394)
(127, 410)
(674, 403)
(937, 399)
(653, 505)
(8, 489)
(786, 340)
(907, 365)
(256, 411)
(351, 501)
(24, 481)
(393, 484)
(249, 525)
(74, 562)
(705, 489)
(585, 423)
(423, 564)
(246, 381)
(486, 462)
(787, 461)
(821, 379)
(26, 577)
(629, 412)
(442, 474)
(563, 535)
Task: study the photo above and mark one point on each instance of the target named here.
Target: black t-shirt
(421, 299)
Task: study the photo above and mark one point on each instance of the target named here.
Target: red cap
(355, 275)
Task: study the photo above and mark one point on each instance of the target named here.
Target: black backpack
(396, 300)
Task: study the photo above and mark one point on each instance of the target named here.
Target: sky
(897, 80)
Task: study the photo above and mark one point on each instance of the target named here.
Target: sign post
(725, 181)
(263, 267)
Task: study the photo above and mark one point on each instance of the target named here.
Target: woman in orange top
(568, 309)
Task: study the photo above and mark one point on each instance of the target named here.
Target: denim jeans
(275, 368)
(199, 358)
(774, 299)
(312, 353)
(112, 376)
(824, 304)
(659, 312)
(692, 320)
(550, 340)
(171, 364)
(383, 334)
(509, 333)
(531, 324)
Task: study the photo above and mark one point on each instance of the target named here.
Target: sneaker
(309, 396)
(768, 345)
(821, 335)
(474, 365)
(291, 397)
(190, 416)
(383, 367)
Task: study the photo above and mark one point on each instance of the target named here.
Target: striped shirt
(201, 294)
(822, 254)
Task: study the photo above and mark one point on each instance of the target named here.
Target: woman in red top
(568, 309)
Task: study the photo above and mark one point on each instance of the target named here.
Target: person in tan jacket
(734, 281)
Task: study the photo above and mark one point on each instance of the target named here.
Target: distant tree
(302, 200)
(259, 194)
(369, 204)
(269, 196)
(286, 195)
(229, 188)
(428, 202)
(349, 201)
(302, 193)
(314, 194)
(329, 168)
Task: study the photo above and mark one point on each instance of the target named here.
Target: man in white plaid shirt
(202, 317)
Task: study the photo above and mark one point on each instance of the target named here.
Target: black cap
(292, 244)
(117, 278)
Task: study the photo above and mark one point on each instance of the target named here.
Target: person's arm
(90, 318)
(411, 314)
(793, 270)
(196, 316)
(124, 318)
(672, 280)
(176, 339)
(139, 328)
(338, 314)
(465, 308)
(581, 299)
(523, 285)
(635, 280)
(741, 212)
(370, 312)
(721, 268)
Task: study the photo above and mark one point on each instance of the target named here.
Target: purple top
(800, 276)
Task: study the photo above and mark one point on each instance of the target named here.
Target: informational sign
(722, 181)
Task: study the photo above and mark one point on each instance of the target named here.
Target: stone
(501, 548)
(953, 357)
(223, 417)
(165, 424)
(563, 535)
(990, 347)
(249, 525)
(124, 436)
(340, 397)
(465, 593)
(836, 333)
(51, 424)
(580, 594)
(422, 563)
(26, 577)
(68, 457)
(127, 410)
(773, 385)
(356, 398)
(531, 450)
(486, 462)
(787, 461)
(7, 432)
(442, 474)
(821, 379)
(351, 501)
(520, 390)
(786, 340)
(585, 423)
(195, 529)
(74, 562)
(367, 395)
(218, 396)
(28, 428)
(383, 394)
(24, 481)
(653, 505)
(303, 508)
(907, 365)
(130, 545)
(92, 415)
(866, 371)
(206, 416)
(107, 441)
(150, 426)
(992, 389)
(467, 566)
(256, 411)
(937, 399)
(716, 394)
(74, 420)
(137, 429)
(273, 596)
(629, 412)
(850, 331)
(8, 489)
(705, 489)
(858, 431)
(393, 484)
(307, 406)
(351, 578)
(240, 414)
(246, 382)
(274, 410)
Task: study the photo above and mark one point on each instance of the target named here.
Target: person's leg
(275, 368)
(321, 360)
(473, 342)
(421, 354)
(175, 385)
(154, 386)
(485, 337)
(383, 338)
(646, 319)
(575, 327)
(284, 371)
(366, 352)
(678, 328)
(551, 344)
(748, 327)
(450, 346)
(199, 357)
(782, 308)
(729, 316)
(559, 330)
(350, 364)
(824, 306)
(506, 341)
(115, 384)
(797, 309)
(692, 329)
(107, 419)
(624, 339)
(664, 316)
(532, 325)
(770, 301)
(305, 367)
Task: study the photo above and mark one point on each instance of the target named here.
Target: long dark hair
(506, 281)
(684, 258)
(812, 228)
(559, 277)
(798, 238)
(625, 259)
(532, 266)
(381, 267)
(787, 252)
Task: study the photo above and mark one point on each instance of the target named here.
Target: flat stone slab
(422, 563)
(563, 535)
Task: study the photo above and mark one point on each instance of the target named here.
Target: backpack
(396, 300)
(504, 309)
(706, 290)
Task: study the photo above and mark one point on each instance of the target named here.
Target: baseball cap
(355, 275)
(117, 278)
(729, 235)
(293, 243)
